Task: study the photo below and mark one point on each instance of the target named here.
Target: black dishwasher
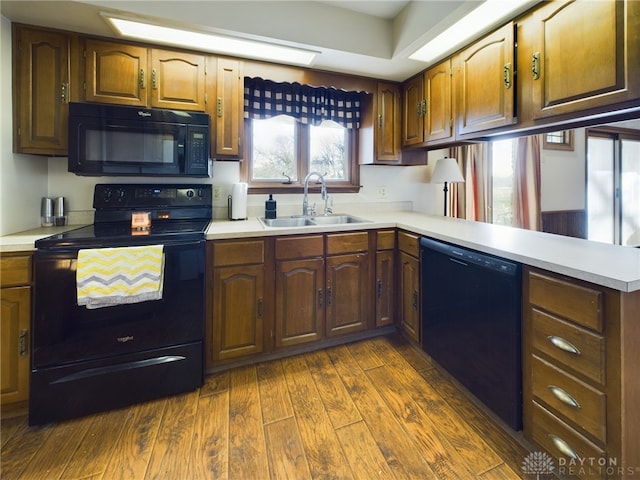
(471, 323)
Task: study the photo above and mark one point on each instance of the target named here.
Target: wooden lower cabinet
(300, 301)
(409, 284)
(237, 300)
(15, 321)
(580, 360)
(385, 275)
(347, 294)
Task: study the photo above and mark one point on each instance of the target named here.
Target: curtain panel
(309, 105)
(469, 200)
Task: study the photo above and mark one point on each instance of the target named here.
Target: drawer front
(238, 252)
(347, 243)
(562, 442)
(299, 247)
(574, 302)
(386, 240)
(15, 270)
(409, 243)
(572, 346)
(578, 402)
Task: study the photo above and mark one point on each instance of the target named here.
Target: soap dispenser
(270, 208)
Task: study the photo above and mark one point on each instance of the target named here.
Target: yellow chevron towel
(116, 276)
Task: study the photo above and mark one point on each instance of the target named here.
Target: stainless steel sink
(299, 221)
(284, 222)
(336, 219)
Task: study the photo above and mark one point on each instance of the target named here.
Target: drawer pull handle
(563, 446)
(563, 396)
(563, 344)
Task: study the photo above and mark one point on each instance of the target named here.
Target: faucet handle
(312, 210)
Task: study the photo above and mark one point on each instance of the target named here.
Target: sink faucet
(305, 201)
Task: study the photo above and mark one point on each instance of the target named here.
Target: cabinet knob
(23, 342)
(562, 395)
(379, 288)
(424, 107)
(535, 65)
(64, 92)
(143, 79)
(154, 79)
(219, 107)
(320, 297)
(507, 75)
(564, 345)
(380, 121)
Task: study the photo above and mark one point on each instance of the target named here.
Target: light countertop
(607, 265)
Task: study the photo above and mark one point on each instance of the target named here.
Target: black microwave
(118, 140)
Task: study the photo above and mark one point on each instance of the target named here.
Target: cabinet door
(410, 295)
(385, 274)
(387, 131)
(116, 73)
(590, 66)
(413, 117)
(437, 85)
(300, 301)
(41, 89)
(347, 294)
(485, 82)
(177, 80)
(228, 107)
(238, 322)
(15, 315)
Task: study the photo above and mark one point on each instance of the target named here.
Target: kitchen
(402, 185)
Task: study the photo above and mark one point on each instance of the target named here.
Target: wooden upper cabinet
(438, 120)
(387, 127)
(177, 80)
(413, 119)
(227, 114)
(41, 91)
(485, 82)
(582, 59)
(116, 73)
(126, 74)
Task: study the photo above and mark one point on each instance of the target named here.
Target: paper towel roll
(239, 201)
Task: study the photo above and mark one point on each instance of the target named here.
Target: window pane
(273, 149)
(328, 151)
(630, 198)
(600, 203)
(502, 158)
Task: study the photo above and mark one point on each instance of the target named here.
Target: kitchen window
(294, 129)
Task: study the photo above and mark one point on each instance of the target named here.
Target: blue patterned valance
(310, 105)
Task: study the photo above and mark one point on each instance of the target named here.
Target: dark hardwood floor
(373, 409)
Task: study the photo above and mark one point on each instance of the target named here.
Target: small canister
(46, 212)
(60, 212)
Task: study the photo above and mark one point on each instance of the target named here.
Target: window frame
(351, 185)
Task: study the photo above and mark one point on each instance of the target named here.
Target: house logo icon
(538, 463)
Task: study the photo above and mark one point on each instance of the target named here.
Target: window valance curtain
(310, 105)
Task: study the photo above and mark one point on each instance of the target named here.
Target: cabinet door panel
(116, 73)
(15, 316)
(584, 60)
(228, 107)
(413, 119)
(237, 311)
(385, 274)
(41, 83)
(300, 301)
(437, 84)
(177, 80)
(485, 83)
(410, 296)
(387, 136)
(347, 294)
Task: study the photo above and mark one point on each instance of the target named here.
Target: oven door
(64, 333)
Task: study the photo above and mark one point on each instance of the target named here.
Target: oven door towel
(116, 276)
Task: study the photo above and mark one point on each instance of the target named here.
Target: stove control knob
(190, 193)
(200, 193)
(120, 195)
(107, 194)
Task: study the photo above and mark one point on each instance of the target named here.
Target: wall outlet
(381, 192)
(216, 193)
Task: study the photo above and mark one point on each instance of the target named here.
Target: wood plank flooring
(372, 409)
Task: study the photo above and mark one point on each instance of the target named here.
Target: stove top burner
(178, 213)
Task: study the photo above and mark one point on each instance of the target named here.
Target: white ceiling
(370, 38)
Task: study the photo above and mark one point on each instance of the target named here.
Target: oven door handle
(93, 372)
